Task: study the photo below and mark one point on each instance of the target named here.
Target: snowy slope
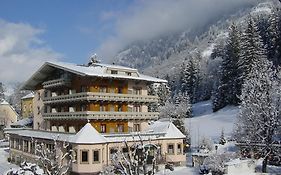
(205, 123)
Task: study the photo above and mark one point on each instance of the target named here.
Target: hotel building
(94, 107)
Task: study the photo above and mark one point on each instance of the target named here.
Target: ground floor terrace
(94, 151)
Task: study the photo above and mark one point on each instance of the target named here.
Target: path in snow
(205, 123)
(4, 164)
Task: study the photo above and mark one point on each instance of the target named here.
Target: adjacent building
(27, 106)
(8, 115)
(95, 108)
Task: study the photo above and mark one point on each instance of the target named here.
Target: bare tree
(55, 160)
(140, 158)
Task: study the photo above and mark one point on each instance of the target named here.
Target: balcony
(93, 96)
(102, 115)
(56, 83)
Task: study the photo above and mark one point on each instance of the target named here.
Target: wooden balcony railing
(94, 96)
(107, 115)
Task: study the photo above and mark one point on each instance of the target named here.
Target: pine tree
(163, 92)
(252, 48)
(151, 90)
(274, 38)
(190, 77)
(258, 120)
(229, 85)
(222, 138)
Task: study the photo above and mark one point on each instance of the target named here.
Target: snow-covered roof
(23, 122)
(39, 134)
(30, 95)
(94, 70)
(4, 102)
(166, 127)
(88, 135)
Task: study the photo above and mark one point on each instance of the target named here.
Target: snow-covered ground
(207, 124)
(4, 164)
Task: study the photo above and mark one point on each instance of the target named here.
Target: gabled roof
(30, 95)
(94, 70)
(4, 102)
(166, 127)
(88, 135)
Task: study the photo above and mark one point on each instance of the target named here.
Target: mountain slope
(207, 124)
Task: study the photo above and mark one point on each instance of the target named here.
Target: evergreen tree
(163, 92)
(222, 138)
(190, 78)
(252, 48)
(151, 90)
(229, 85)
(274, 37)
(258, 121)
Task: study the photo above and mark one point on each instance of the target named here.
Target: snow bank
(205, 123)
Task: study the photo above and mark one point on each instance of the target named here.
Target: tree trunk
(264, 164)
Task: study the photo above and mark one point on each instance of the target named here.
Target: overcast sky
(32, 32)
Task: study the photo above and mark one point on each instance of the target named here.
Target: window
(102, 107)
(119, 108)
(24, 108)
(125, 150)
(96, 156)
(112, 108)
(103, 128)
(84, 156)
(112, 152)
(45, 93)
(179, 149)
(136, 127)
(39, 96)
(83, 89)
(120, 127)
(114, 72)
(119, 90)
(25, 146)
(45, 109)
(137, 108)
(50, 147)
(38, 109)
(137, 91)
(32, 147)
(171, 149)
(83, 108)
(103, 89)
(129, 73)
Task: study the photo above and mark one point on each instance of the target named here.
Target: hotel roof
(94, 70)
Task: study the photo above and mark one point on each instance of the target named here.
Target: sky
(35, 31)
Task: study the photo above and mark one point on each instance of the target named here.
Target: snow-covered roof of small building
(30, 95)
(94, 70)
(4, 102)
(39, 134)
(23, 122)
(166, 127)
(88, 135)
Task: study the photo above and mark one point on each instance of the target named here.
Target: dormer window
(114, 72)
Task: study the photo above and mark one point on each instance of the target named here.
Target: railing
(94, 96)
(56, 83)
(102, 115)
